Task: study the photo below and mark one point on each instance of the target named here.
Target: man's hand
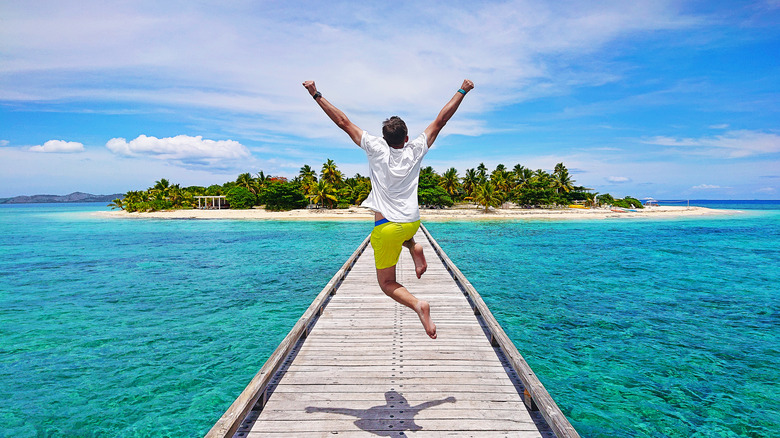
(335, 114)
(432, 131)
(309, 85)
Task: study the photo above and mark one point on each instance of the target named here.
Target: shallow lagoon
(139, 327)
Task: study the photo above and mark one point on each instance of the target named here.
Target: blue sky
(669, 99)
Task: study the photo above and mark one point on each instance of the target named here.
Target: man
(394, 169)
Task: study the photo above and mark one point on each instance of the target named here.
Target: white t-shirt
(394, 177)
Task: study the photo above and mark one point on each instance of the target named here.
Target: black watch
(316, 95)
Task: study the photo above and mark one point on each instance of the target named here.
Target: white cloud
(720, 126)
(238, 69)
(96, 170)
(671, 141)
(767, 190)
(59, 146)
(182, 149)
(707, 187)
(251, 60)
(732, 144)
(618, 179)
(4, 143)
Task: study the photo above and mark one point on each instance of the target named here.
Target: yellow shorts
(387, 240)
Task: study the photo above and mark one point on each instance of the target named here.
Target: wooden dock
(359, 364)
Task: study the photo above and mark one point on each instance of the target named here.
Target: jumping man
(394, 169)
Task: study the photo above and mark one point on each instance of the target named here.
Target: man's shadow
(389, 419)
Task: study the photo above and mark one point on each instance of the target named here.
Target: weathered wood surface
(368, 368)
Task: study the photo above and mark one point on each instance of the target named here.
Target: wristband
(462, 91)
(316, 95)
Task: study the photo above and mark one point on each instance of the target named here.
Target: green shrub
(606, 199)
(239, 198)
(282, 196)
(627, 202)
(434, 197)
(214, 190)
(635, 203)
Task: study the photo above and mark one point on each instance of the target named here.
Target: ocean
(637, 327)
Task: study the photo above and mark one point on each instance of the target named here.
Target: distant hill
(73, 197)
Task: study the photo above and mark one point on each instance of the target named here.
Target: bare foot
(420, 266)
(423, 310)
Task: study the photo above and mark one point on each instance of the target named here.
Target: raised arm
(335, 114)
(432, 131)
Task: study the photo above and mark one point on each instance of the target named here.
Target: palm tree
(262, 179)
(561, 180)
(179, 198)
(307, 172)
(501, 182)
(470, 182)
(330, 173)
(162, 184)
(522, 174)
(349, 191)
(362, 190)
(160, 188)
(487, 196)
(136, 196)
(482, 171)
(116, 203)
(590, 199)
(323, 192)
(308, 177)
(246, 181)
(540, 174)
(243, 180)
(450, 181)
(429, 172)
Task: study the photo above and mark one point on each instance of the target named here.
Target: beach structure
(358, 364)
(650, 202)
(211, 202)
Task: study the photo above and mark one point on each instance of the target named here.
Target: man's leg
(420, 266)
(396, 291)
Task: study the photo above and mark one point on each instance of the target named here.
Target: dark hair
(394, 131)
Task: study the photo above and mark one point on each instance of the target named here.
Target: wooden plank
(336, 425)
(425, 433)
(493, 403)
(452, 388)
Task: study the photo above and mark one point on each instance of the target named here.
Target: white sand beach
(457, 213)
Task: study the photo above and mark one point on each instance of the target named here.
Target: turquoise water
(639, 328)
(151, 327)
(146, 327)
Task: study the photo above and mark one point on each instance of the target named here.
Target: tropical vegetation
(520, 186)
